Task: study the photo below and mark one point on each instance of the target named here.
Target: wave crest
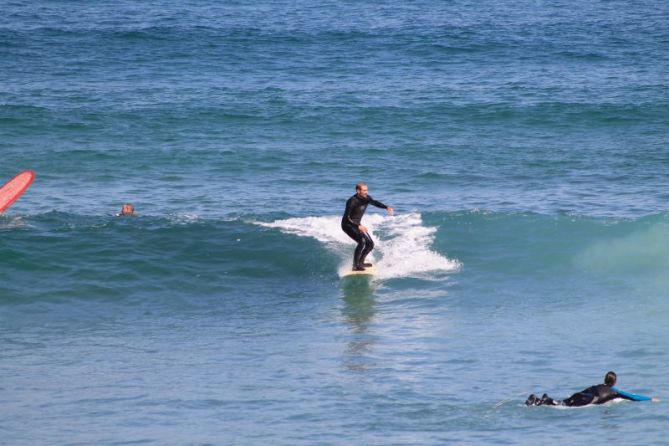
(403, 244)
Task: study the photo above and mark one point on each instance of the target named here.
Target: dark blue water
(522, 145)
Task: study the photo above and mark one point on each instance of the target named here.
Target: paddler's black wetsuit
(599, 394)
(350, 222)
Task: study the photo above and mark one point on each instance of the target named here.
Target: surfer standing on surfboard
(352, 226)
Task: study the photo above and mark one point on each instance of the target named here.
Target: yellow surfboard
(369, 271)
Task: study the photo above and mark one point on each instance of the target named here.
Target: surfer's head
(127, 209)
(361, 189)
(610, 379)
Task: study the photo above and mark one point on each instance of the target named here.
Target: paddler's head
(610, 379)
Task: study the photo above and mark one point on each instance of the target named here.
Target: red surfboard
(14, 188)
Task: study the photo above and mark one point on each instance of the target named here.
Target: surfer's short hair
(610, 379)
(359, 185)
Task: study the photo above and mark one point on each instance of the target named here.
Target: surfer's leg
(357, 255)
(532, 400)
(545, 400)
(548, 401)
(579, 399)
(356, 235)
(368, 245)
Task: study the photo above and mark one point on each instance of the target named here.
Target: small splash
(184, 219)
(15, 222)
(402, 243)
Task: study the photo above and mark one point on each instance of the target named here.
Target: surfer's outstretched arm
(378, 204)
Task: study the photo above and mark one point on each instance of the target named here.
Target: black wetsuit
(599, 394)
(355, 209)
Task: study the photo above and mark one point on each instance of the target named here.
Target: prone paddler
(597, 394)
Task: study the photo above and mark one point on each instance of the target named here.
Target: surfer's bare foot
(358, 268)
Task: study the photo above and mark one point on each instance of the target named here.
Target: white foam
(184, 219)
(402, 243)
(326, 230)
(13, 222)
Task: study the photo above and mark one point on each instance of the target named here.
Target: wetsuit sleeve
(376, 203)
(631, 396)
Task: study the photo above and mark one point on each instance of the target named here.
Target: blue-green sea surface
(523, 145)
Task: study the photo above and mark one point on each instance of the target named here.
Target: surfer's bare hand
(362, 228)
(390, 210)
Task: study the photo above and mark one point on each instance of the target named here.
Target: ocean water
(523, 145)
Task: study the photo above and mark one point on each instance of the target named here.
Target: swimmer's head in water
(128, 209)
(610, 379)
